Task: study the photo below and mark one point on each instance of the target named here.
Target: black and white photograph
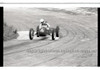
(49, 36)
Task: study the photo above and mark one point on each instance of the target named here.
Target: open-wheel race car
(53, 32)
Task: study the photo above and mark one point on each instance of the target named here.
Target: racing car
(53, 32)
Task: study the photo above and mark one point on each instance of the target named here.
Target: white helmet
(41, 20)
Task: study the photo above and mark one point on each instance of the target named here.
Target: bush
(9, 32)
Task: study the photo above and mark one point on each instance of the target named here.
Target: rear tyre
(31, 34)
(38, 34)
(57, 31)
(53, 34)
(38, 31)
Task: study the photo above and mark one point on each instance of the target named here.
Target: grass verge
(9, 32)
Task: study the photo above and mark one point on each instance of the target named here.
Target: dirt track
(78, 35)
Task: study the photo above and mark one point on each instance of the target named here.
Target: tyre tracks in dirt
(73, 34)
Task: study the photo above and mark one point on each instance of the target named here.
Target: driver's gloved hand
(47, 28)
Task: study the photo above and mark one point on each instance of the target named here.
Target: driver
(44, 23)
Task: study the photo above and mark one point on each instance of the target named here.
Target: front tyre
(31, 34)
(53, 34)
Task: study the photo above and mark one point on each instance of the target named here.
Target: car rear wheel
(38, 34)
(37, 31)
(53, 34)
(57, 31)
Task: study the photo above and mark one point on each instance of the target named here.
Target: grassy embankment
(9, 32)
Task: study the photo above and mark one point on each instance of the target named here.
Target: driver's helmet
(41, 20)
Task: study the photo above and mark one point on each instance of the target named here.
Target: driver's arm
(48, 25)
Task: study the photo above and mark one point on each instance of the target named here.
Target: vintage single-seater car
(53, 32)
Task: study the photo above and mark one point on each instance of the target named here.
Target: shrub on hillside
(9, 32)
